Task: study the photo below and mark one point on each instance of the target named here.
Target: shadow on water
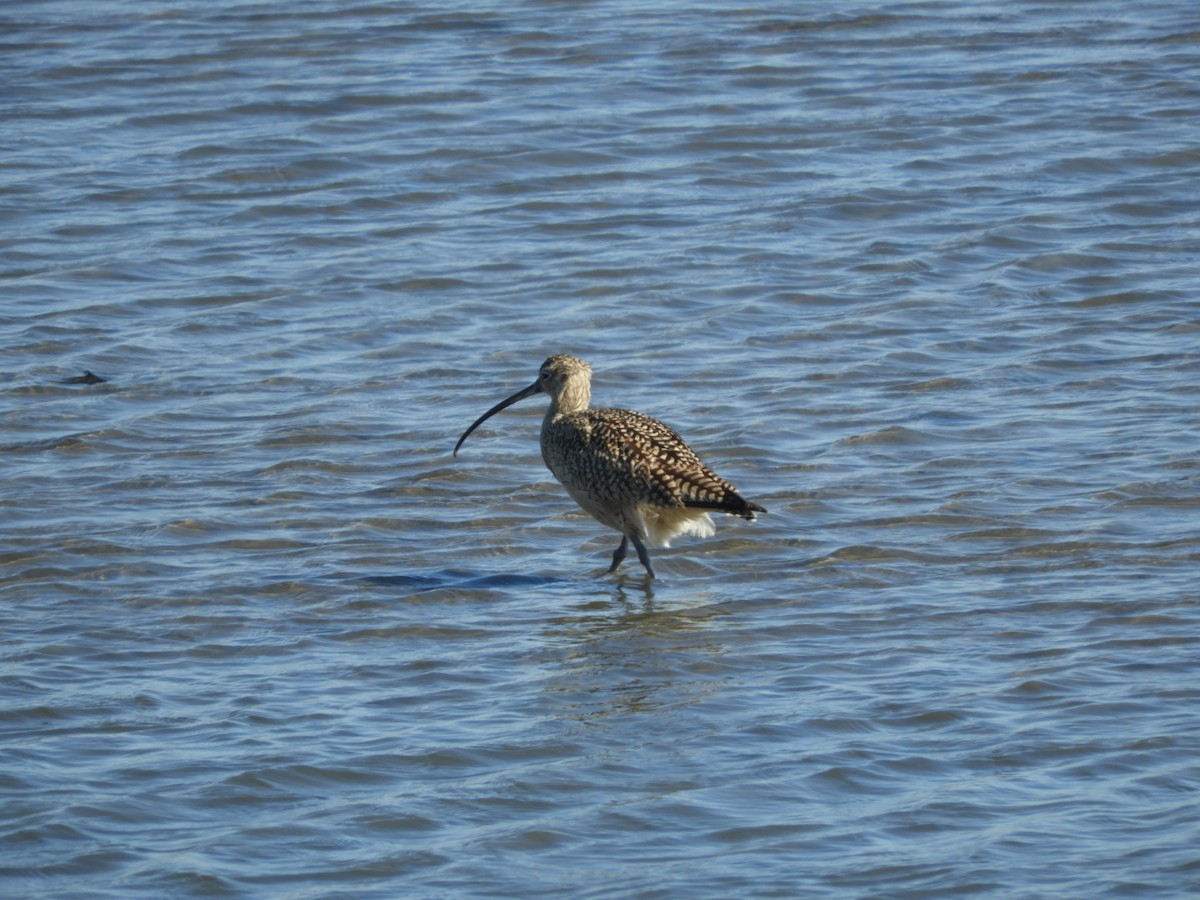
(465, 580)
(577, 608)
(596, 600)
(619, 586)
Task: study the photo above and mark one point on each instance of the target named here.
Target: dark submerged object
(88, 377)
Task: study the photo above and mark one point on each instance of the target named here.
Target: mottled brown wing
(642, 460)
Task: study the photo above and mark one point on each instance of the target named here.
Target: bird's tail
(732, 503)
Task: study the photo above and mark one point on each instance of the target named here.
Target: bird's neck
(574, 397)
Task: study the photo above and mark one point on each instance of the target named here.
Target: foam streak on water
(920, 278)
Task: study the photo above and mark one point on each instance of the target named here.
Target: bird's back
(623, 457)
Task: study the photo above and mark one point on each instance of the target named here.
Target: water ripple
(920, 281)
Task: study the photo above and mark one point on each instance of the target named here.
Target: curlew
(625, 469)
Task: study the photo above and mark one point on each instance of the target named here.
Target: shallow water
(919, 278)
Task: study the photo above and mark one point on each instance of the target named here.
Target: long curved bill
(535, 388)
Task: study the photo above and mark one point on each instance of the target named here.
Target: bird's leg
(619, 554)
(642, 554)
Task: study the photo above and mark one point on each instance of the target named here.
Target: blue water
(919, 278)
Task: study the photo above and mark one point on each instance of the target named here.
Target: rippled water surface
(920, 278)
